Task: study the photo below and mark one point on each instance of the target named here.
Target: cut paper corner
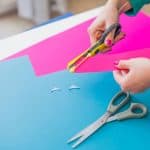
(22, 59)
(23, 53)
(18, 65)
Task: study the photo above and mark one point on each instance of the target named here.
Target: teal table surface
(33, 118)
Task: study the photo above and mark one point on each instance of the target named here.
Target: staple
(55, 89)
(72, 87)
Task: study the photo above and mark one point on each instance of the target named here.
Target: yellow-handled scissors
(99, 47)
(136, 110)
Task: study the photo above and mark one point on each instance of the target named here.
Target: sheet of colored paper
(33, 118)
(106, 63)
(54, 53)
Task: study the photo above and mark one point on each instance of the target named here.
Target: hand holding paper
(133, 74)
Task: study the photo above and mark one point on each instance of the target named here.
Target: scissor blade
(77, 136)
(82, 138)
(85, 133)
(82, 132)
(79, 142)
(85, 130)
(89, 132)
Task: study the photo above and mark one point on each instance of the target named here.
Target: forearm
(121, 5)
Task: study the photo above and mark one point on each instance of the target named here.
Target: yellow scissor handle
(99, 48)
(85, 55)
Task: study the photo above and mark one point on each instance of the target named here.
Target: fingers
(98, 35)
(118, 76)
(137, 78)
(123, 64)
(98, 27)
(110, 39)
(121, 78)
(112, 19)
(119, 37)
(95, 35)
(129, 77)
(122, 74)
(92, 35)
(95, 31)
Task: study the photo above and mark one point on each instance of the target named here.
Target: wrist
(124, 6)
(121, 5)
(114, 3)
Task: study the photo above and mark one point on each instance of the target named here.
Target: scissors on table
(135, 110)
(98, 47)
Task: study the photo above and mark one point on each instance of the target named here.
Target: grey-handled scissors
(136, 110)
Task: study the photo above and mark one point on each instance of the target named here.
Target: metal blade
(79, 141)
(84, 134)
(74, 138)
(113, 118)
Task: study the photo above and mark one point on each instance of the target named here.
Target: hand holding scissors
(98, 47)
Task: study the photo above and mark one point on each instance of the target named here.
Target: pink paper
(53, 54)
(106, 63)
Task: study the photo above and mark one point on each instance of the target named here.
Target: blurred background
(19, 15)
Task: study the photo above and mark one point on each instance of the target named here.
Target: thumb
(110, 39)
(118, 76)
(124, 64)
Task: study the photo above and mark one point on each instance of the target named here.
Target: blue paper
(33, 118)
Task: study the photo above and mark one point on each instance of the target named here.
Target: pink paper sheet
(53, 54)
(106, 63)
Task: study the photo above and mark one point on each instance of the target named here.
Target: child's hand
(133, 75)
(108, 15)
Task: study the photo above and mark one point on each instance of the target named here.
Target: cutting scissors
(121, 99)
(98, 47)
